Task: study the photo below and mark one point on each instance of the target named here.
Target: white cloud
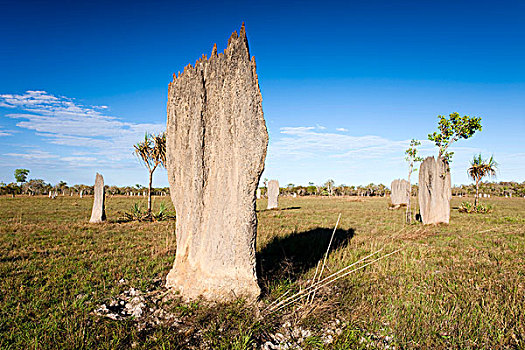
(33, 155)
(78, 159)
(308, 142)
(62, 121)
(295, 129)
(341, 129)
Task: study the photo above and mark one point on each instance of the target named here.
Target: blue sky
(345, 85)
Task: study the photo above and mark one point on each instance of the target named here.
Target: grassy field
(460, 286)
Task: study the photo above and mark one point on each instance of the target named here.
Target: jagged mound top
(237, 46)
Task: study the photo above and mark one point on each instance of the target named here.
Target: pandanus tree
(479, 168)
(152, 152)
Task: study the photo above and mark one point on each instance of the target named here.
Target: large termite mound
(400, 192)
(434, 191)
(216, 147)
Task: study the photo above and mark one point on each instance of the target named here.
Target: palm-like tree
(152, 152)
(479, 168)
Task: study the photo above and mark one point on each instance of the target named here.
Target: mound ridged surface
(400, 192)
(435, 191)
(216, 147)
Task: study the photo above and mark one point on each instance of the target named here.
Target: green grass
(458, 286)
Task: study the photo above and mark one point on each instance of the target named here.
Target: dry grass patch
(455, 286)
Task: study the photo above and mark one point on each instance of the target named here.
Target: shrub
(138, 213)
(163, 213)
(469, 208)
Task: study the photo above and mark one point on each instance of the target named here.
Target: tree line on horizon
(40, 187)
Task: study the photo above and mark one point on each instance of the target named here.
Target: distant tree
(152, 152)
(78, 188)
(479, 168)
(11, 189)
(85, 189)
(329, 184)
(453, 129)
(62, 187)
(113, 190)
(381, 189)
(370, 189)
(411, 157)
(35, 186)
(21, 175)
(311, 189)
